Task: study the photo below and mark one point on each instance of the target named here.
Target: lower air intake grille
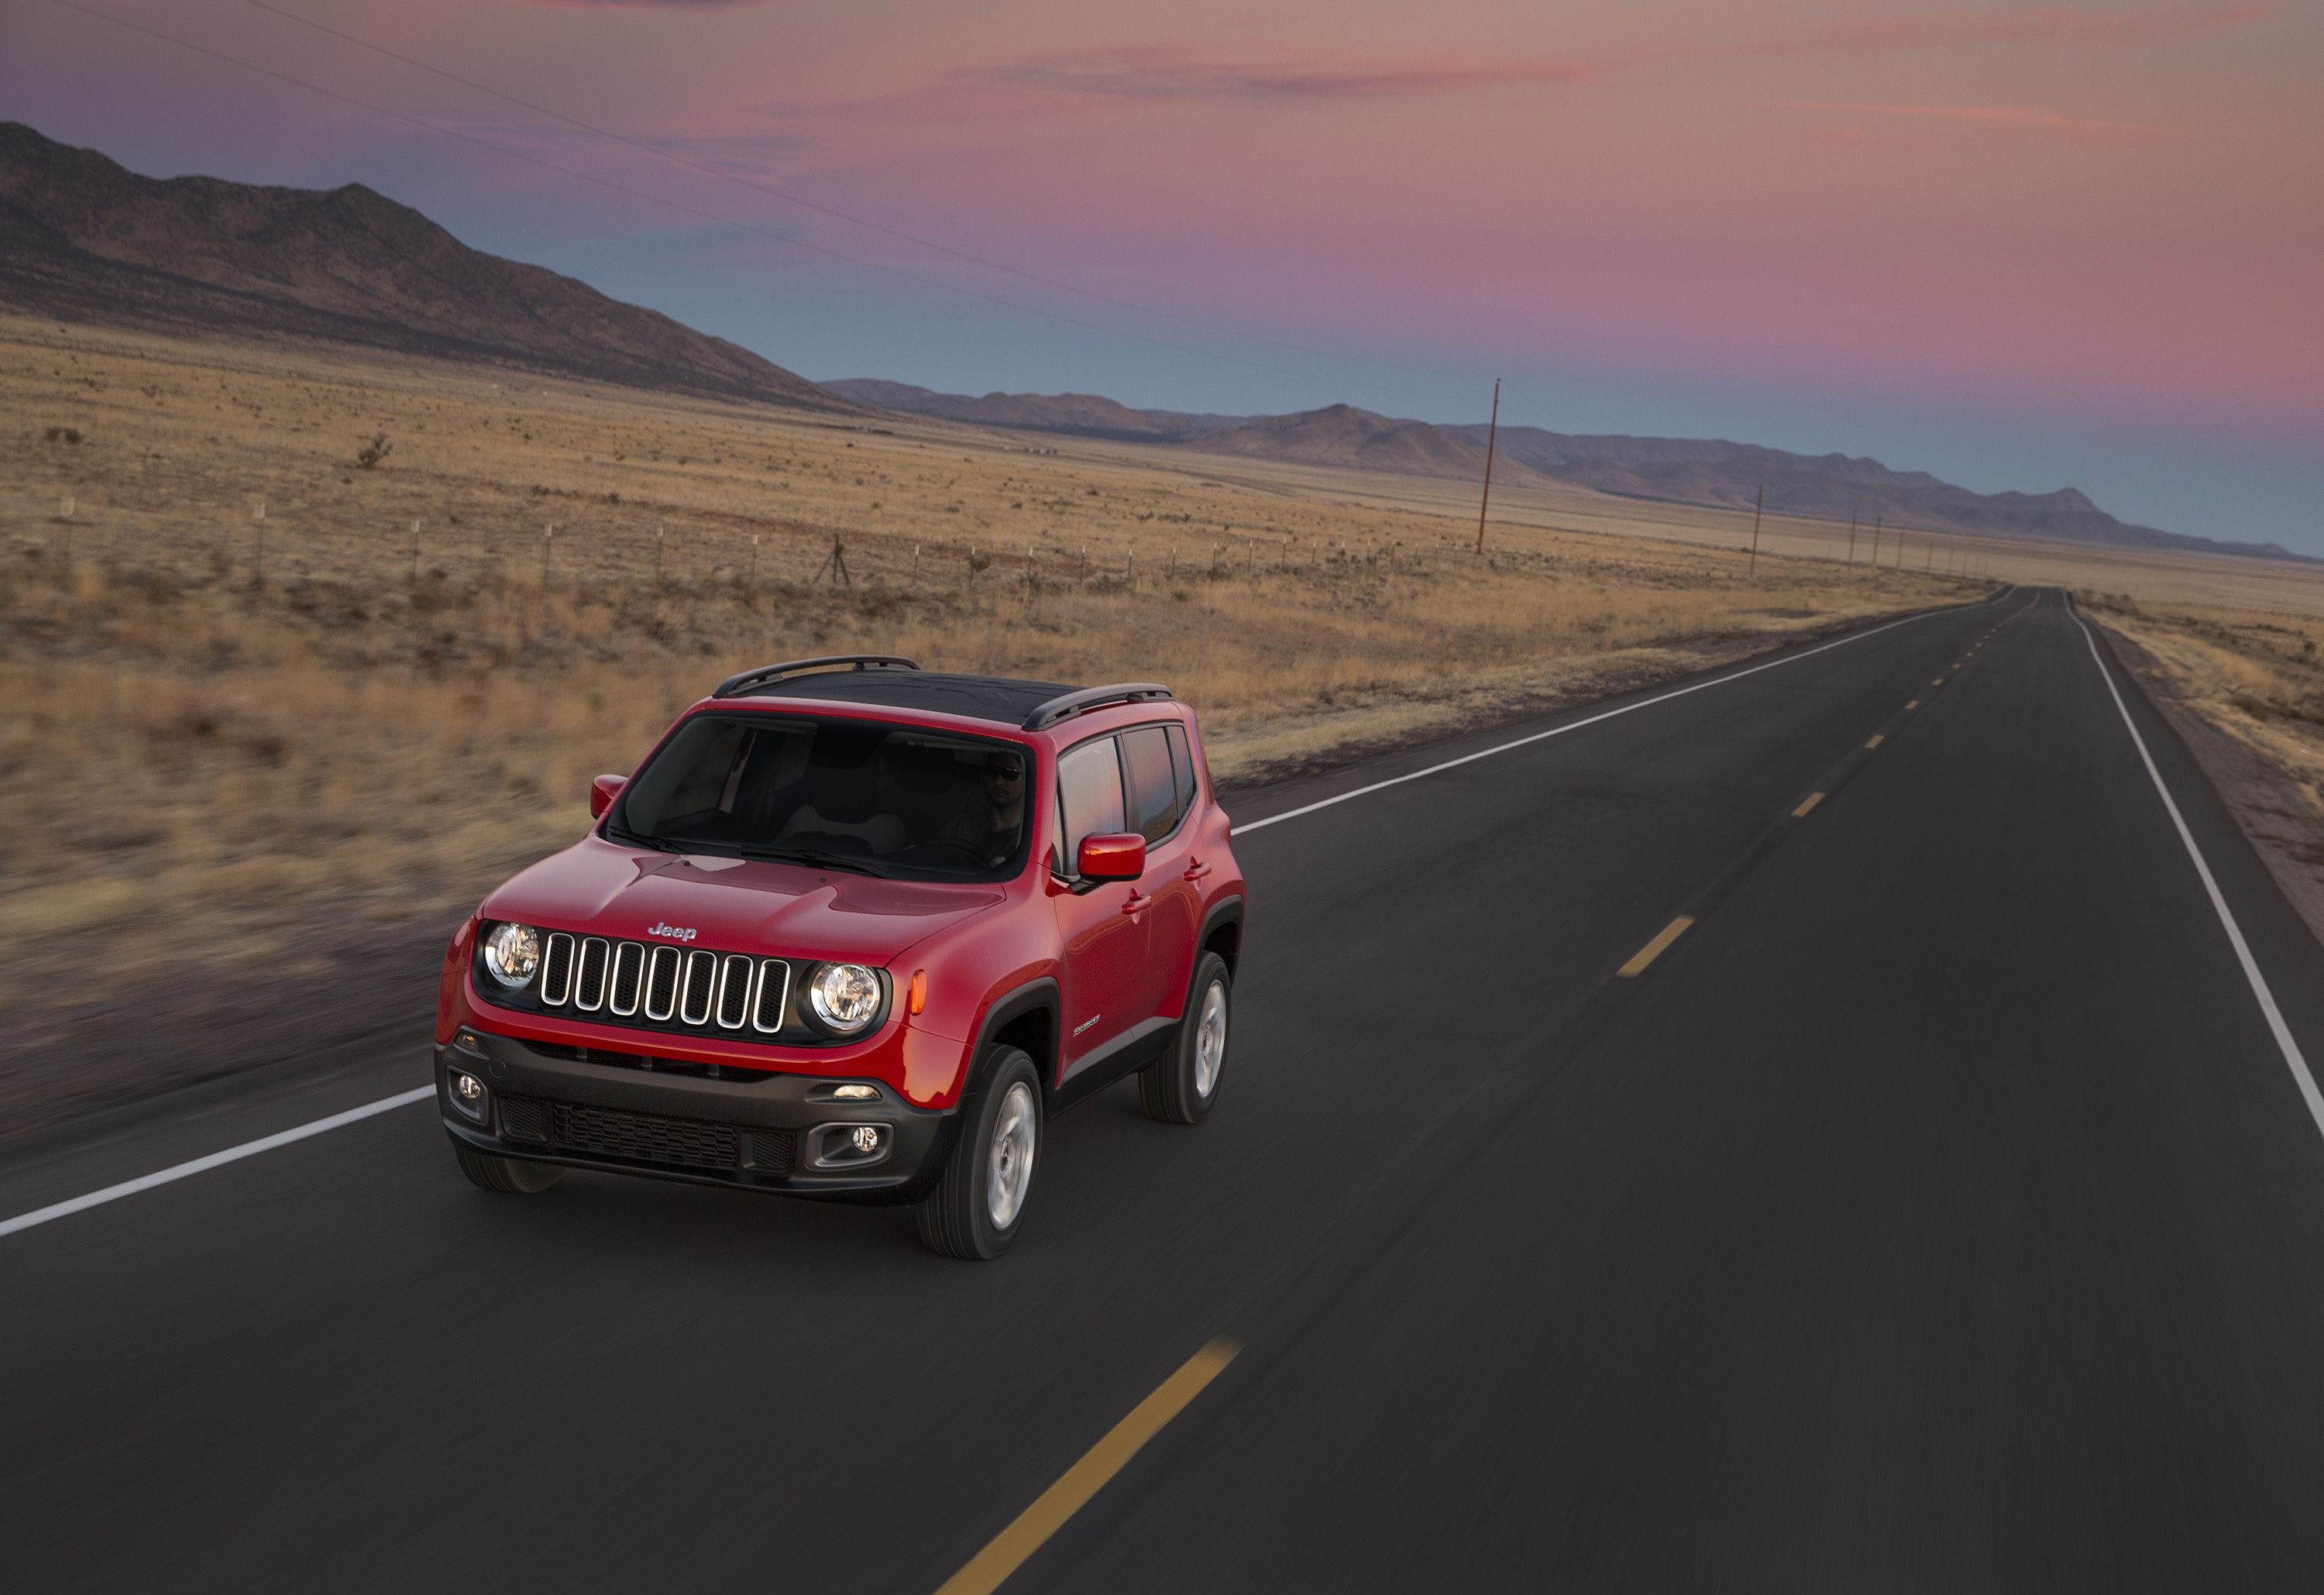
(524, 1118)
(644, 1137)
(770, 1149)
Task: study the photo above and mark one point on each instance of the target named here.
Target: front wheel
(979, 1202)
(1179, 1086)
(514, 1176)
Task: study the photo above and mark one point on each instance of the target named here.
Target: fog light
(469, 1095)
(856, 1094)
(852, 1146)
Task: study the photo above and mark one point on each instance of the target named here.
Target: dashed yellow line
(1801, 813)
(1914, 704)
(1653, 949)
(989, 1568)
(1876, 742)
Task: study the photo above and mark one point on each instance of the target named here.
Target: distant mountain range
(83, 239)
(1677, 470)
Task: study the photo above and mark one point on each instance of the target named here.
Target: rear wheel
(516, 1177)
(979, 1202)
(1179, 1086)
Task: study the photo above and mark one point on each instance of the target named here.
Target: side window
(1183, 764)
(1153, 790)
(1089, 793)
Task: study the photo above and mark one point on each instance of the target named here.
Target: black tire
(1179, 1086)
(513, 1177)
(972, 1213)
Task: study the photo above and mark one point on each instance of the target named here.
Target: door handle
(1195, 871)
(1136, 904)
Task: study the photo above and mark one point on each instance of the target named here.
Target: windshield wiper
(623, 834)
(808, 855)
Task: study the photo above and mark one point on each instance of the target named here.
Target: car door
(1103, 980)
(1151, 760)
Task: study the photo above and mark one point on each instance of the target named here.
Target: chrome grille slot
(594, 953)
(629, 977)
(557, 970)
(733, 991)
(662, 982)
(774, 985)
(648, 985)
(701, 984)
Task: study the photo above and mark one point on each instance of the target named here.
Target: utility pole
(1492, 434)
(1852, 536)
(1758, 505)
(1875, 542)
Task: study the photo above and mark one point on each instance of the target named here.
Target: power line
(656, 152)
(695, 211)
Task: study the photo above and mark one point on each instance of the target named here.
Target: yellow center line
(1874, 742)
(1937, 682)
(1801, 813)
(989, 1568)
(1653, 949)
(1914, 704)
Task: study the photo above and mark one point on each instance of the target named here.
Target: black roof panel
(977, 698)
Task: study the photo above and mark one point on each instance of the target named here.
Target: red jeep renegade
(855, 930)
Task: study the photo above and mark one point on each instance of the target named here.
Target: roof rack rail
(735, 685)
(1090, 697)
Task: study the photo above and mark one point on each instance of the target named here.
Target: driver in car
(996, 829)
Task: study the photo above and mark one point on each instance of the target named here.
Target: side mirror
(1112, 857)
(602, 793)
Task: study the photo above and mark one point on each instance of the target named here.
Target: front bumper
(764, 1134)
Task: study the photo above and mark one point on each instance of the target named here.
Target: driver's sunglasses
(1008, 772)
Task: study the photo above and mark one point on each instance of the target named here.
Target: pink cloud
(2076, 130)
(638, 5)
(1186, 71)
(1182, 71)
(2049, 25)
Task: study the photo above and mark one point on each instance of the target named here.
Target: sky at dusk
(2020, 246)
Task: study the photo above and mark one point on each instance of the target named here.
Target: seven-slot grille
(699, 987)
(645, 1138)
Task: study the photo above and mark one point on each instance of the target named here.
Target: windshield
(846, 794)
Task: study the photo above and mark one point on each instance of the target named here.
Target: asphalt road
(1938, 1211)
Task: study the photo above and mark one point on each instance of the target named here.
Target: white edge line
(2283, 1039)
(216, 1160)
(1293, 814)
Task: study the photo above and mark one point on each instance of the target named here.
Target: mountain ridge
(83, 238)
(1710, 473)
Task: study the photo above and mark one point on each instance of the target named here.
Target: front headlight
(512, 954)
(845, 997)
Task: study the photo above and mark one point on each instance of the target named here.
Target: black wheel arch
(1221, 933)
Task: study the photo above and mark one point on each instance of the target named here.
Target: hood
(734, 905)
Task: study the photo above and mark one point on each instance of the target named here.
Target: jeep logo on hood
(674, 932)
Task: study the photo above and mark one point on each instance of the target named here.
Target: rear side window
(1153, 789)
(1181, 765)
(1089, 795)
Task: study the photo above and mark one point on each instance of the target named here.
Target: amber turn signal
(916, 997)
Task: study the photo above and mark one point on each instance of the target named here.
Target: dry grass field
(303, 650)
